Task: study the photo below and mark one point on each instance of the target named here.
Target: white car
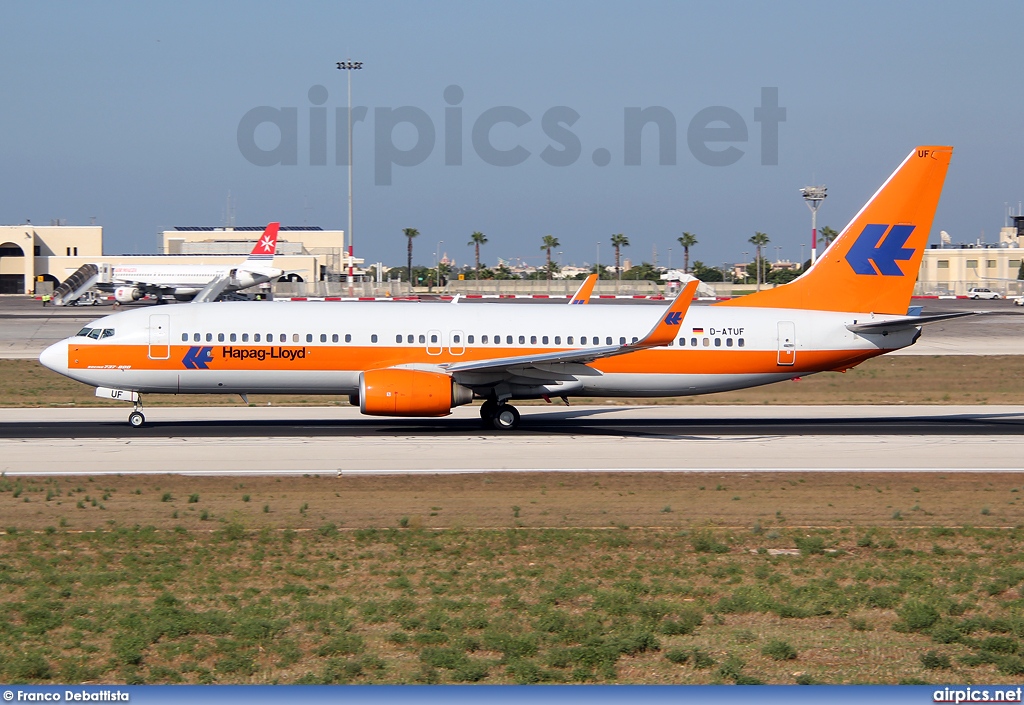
(982, 293)
(1019, 301)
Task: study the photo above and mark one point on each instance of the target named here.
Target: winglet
(582, 295)
(664, 332)
(265, 247)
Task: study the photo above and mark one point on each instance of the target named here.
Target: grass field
(995, 379)
(682, 579)
(523, 578)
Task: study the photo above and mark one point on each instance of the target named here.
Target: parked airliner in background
(183, 281)
(420, 359)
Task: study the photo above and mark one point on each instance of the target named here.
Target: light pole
(438, 254)
(348, 67)
(670, 258)
(813, 196)
(597, 264)
(745, 275)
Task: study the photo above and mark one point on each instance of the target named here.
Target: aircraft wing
(215, 288)
(905, 322)
(582, 295)
(664, 332)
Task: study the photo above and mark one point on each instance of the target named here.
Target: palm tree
(410, 233)
(477, 239)
(688, 240)
(618, 242)
(759, 240)
(827, 235)
(549, 242)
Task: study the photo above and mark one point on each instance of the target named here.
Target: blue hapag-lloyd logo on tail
(674, 318)
(884, 253)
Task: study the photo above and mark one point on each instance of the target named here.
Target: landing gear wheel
(136, 419)
(506, 418)
(487, 411)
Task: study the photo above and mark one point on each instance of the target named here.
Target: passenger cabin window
(256, 337)
(741, 342)
(433, 337)
(373, 338)
(348, 337)
(718, 342)
(196, 337)
(409, 339)
(184, 337)
(483, 339)
(522, 340)
(423, 338)
(284, 338)
(469, 339)
(309, 337)
(693, 342)
(234, 337)
(583, 340)
(608, 340)
(568, 341)
(323, 337)
(544, 340)
(245, 337)
(707, 342)
(533, 340)
(457, 338)
(682, 342)
(622, 340)
(558, 340)
(728, 342)
(334, 338)
(508, 340)
(220, 337)
(398, 338)
(295, 338)
(209, 337)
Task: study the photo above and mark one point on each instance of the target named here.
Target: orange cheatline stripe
(688, 361)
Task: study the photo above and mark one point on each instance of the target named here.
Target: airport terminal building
(38, 257)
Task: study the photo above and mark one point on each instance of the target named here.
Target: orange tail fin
(872, 265)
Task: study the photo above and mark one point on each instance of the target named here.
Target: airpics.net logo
(715, 136)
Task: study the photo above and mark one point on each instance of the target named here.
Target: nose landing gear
(137, 419)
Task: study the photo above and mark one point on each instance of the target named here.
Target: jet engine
(400, 392)
(127, 294)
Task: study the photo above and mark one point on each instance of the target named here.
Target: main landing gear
(136, 419)
(499, 415)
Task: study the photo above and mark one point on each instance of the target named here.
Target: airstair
(78, 283)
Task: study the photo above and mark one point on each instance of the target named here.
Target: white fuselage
(323, 347)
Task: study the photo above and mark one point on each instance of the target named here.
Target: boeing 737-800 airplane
(419, 359)
(132, 282)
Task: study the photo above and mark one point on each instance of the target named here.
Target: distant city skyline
(569, 119)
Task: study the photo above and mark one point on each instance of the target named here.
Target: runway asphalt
(248, 440)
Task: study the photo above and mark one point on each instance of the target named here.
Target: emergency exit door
(787, 343)
(159, 336)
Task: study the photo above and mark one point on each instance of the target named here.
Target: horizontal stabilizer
(906, 322)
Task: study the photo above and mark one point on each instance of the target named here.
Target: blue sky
(130, 112)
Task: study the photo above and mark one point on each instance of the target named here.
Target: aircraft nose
(55, 357)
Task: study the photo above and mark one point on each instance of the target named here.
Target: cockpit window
(95, 333)
(107, 333)
(84, 332)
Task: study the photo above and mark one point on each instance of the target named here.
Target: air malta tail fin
(872, 265)
(263, 253)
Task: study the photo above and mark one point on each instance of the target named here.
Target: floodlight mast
(348, 67)
(813, 196)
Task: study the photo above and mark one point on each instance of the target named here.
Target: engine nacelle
(396, 392)
(127, 294)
